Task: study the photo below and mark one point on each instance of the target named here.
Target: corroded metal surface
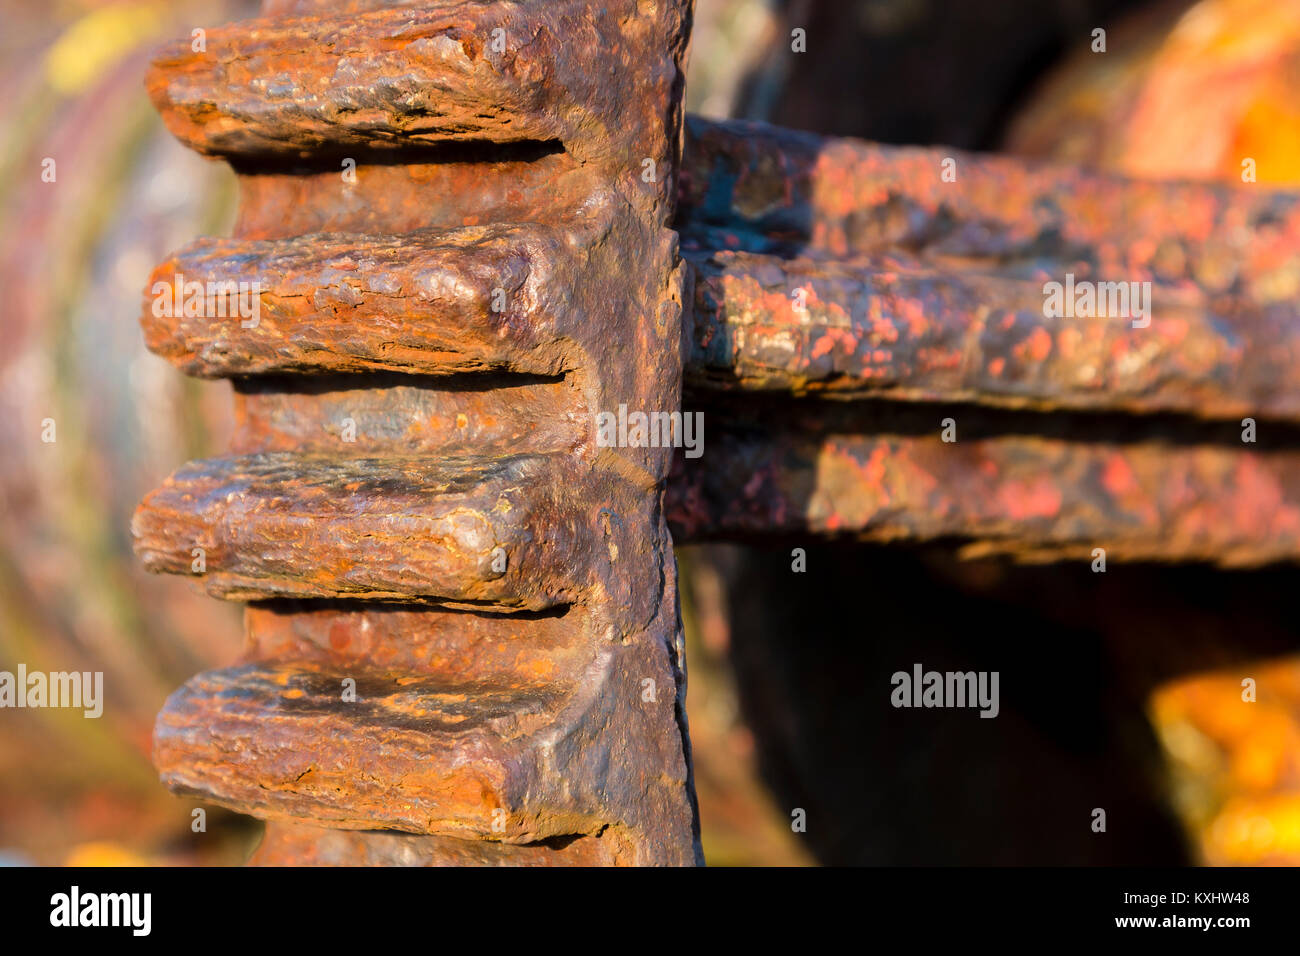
(760, 188)
(416, 407)
(418, 74)
(341, 303)
(917, 287)
(902, 328)
(822, 265)
(285, 525)
(1038, 498)
(297, 845)
(416, 498)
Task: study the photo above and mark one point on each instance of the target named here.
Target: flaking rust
(839, 266)
(463, 637)
(1037, 498)
(839, 269)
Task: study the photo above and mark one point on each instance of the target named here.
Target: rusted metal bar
(1037, 498)
(846, 267)
(903, 329)
(763, 189)
(838, 269)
